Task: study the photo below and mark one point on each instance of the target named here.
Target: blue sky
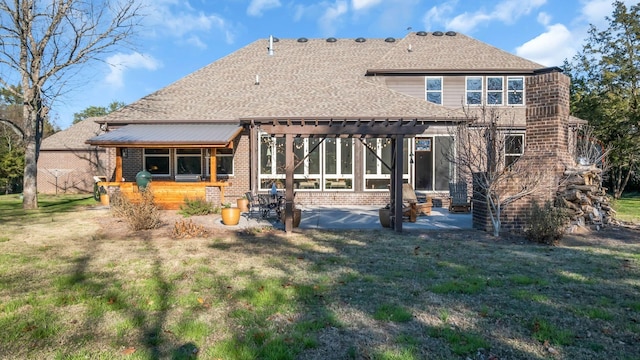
(181, 36)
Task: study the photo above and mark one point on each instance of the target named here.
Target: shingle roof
(315, 78)
(73, 138)
(449, 52)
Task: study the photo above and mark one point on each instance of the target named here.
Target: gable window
(376, 175)
(224, 162)
(473, 90)
(494, 90)
(434, 89)
(513, 148)
(189, 161)
(156, 161)
(515, 90)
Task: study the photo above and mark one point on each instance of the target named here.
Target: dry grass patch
(100, 290)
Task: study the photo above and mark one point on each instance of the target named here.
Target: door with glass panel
(433, 170)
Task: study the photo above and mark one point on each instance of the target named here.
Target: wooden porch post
(118, 169)
(288, 184)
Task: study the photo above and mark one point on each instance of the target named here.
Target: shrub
(187, 229)
(197, 206)
(546, 224)
(139, 215)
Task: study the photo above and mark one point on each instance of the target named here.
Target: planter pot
(104, 199)
(384, 215)
(243, 205)
(230, 216)
(297, 216)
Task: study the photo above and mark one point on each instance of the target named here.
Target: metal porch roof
(168, 135)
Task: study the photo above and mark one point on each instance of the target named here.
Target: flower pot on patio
(243, 204)
(104, 199)
(230, 215)
(384, 215)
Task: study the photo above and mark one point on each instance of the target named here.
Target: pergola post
(397, 144)
(288, 183)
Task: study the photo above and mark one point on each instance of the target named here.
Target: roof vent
(275, 39)
(390, 40)
(303, 40)
(332, 40)
(450, 33)
(421, 33)
(438, 33)
(361, 40)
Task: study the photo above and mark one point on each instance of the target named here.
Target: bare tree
(489, 151)
(41, 41)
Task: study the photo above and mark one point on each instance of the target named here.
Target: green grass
(353, 294)
(628, 208)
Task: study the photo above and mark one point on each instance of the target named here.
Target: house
(67, 164)
(348, 118)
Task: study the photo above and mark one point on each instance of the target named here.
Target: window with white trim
(473, 90)
(157, 161)
(272, 161)
(513, 148)
(338, 164)
(376, 175)
(494, 90)
(189, 161)
(307, 175)
(515, 90)
(433, 89)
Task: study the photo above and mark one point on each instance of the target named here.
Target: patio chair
(254, 204)
(410, 205)
(459, 200)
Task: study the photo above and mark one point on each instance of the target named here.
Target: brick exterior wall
(70, 171)
(546, 147)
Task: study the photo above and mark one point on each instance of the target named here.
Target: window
(473, 90)
(376, 175)
(515, 90)
(513, 148)
(338, 163)
(224, 162)
(189, 161)
(494, 90)
(434, 90)
(156, 161)
(322, 165)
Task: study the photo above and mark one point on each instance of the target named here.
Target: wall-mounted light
(411, 158)
(124, 152)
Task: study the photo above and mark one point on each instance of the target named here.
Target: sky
(182, 36)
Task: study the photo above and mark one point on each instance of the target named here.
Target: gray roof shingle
(73, 138)
(314, 79)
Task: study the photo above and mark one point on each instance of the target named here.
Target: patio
(364, 218)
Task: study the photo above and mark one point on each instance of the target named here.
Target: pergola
(395, 129)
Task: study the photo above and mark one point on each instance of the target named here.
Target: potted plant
(384, 214)
(104, 196)
(230, 215)
(243, 203)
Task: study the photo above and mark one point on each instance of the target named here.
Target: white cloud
(331, 16)
(363, 4)
(549, 48)
(507, 11)
(257, 7)
(178, 19)
(120, 62)
(544, 18)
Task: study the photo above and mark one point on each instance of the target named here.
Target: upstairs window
(494, 90)
(473, 90)
(515, 90)
(513, 148)
(434, 89)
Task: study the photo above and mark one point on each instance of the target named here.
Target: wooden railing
(168, 195)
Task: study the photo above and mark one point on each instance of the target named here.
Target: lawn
(71, 289)
(628, 208)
